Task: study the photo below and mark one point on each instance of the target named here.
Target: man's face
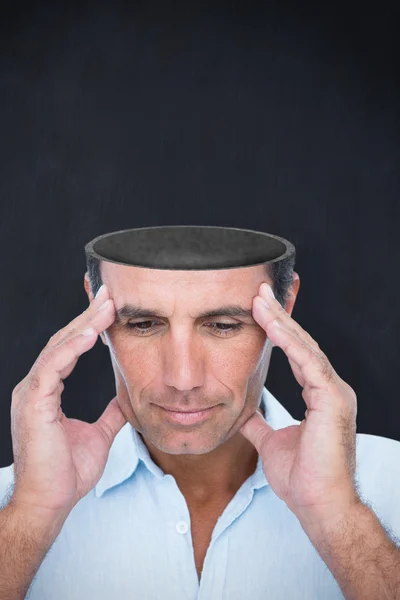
(182, 361)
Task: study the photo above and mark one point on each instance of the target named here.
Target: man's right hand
(58, 460)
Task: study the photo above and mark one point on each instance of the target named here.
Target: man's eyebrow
(131, 311)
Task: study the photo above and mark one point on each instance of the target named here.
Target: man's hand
(310, 466)
(58, 460)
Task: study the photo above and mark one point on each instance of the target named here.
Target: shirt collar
(128, 449)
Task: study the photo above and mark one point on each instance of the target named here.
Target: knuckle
(63, 334)
(49, 355)
(42, 360)
(71, 346)
(280, 310)
(60, 340)
(327, 372)
(72, 332)
(18, 387)
(351, 391)
(54, 340)
(34, 382)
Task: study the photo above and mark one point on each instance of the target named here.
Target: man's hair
(280, 273)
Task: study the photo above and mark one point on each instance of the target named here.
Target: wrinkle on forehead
(166, 292)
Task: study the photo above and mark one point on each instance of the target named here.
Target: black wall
(281, 117)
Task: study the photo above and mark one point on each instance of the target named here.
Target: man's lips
(192, 417)
(180, 410)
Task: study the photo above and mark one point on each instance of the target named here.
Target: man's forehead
(130, 277)
(154, 293)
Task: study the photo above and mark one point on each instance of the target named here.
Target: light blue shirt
(130, 538)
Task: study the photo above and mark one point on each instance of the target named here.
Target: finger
(297, 372)
(275, 311)
(100, 321)
(111, 421)
(42, 389)
(313, 366)
(42, 382)
(98, 317)
(82, 321)
(257, 431)
(290, 331)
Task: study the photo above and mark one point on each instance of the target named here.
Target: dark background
(281, 117)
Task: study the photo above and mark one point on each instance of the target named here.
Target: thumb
(257, 430)
(111, 421)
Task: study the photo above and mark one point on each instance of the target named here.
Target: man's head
(179, 359)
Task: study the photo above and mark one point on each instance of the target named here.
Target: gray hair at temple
(280, 273)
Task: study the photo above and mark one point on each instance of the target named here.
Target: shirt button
(182, 527)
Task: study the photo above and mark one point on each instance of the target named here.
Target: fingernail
(270, 292)
(100, 291)
(266, 290)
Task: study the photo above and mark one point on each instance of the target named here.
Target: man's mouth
(191, 410)
(188, 417)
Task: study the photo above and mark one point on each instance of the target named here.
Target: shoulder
(6, 484)
(377, 475)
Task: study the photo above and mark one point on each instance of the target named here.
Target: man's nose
(183, 364)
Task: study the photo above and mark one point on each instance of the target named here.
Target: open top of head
(189, 247)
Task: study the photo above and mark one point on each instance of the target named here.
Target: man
(209, 505)
(192, 364)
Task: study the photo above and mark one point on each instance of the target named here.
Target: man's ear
(293, 293)
(86, 285)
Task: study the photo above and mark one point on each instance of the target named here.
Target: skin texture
(188, 363)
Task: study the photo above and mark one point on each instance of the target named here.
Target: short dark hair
(280, 273)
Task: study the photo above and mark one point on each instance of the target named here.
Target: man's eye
(222, 332)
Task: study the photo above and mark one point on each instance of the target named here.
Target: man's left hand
(310, 466)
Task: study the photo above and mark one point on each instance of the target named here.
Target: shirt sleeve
(378, 479)
(6, 484)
